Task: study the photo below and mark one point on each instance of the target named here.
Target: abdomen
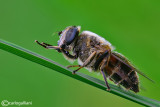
(121, 72)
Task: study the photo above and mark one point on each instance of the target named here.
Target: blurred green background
(133, 27)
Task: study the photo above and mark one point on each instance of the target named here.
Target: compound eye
(71, 34)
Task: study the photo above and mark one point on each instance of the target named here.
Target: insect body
(96, 54)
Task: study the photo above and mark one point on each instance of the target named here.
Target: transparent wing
(124, 60)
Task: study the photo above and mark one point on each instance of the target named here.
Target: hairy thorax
(86, 44)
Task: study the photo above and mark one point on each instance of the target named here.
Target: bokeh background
(133, 27)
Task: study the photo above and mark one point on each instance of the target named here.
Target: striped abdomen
(120, 71)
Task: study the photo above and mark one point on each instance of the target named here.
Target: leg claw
(73, 73)
(108, 89)
(68, 66)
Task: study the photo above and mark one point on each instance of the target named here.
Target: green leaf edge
(34, 57)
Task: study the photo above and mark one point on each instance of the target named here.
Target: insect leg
(53, 47)
(73, 66)
(40, 44)
(86, 62)
(48, 46)
(68, 54)
(104, 76)
(74, 72)
(104, 64)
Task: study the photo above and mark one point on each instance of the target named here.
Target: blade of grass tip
(24, 53)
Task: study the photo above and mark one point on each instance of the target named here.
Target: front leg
(68, 54)
(48, 46)
(59, 49)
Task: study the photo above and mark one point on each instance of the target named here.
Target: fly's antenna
(59, 33)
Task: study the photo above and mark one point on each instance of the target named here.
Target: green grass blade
(24, 53)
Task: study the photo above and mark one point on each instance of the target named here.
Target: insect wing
(125, 61)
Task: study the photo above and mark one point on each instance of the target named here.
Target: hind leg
(104, 64)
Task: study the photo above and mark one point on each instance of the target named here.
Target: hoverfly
(96, 54)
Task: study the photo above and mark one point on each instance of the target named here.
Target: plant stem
(24, 53)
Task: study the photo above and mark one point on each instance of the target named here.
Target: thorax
(87, 43)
